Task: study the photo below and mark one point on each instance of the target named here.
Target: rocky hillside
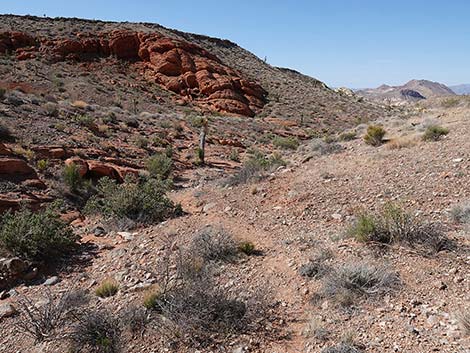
(114, 94)
(412, 91)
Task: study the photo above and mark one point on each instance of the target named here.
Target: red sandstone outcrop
(178, 66)
(99, 169)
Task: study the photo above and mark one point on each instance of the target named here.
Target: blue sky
(354, 43)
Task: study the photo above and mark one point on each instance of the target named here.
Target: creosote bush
(395, 225)
(107, 289)
(255, 167)
(159, 166)
(374, 135)
(40, 236)
(139, 201)
(434, 133)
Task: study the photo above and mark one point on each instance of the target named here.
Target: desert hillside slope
(322, 224)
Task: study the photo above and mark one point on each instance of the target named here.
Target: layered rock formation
(176, 65)
(16, 171)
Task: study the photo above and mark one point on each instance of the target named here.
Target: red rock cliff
(178, 66)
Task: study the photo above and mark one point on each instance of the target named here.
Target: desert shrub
(46, 322)
(356, 280)
(317, 267)
(315, 329)
(193, 307)
(450, 102)
(348, 136)
(150, 299)
(72, 177)
(197, 121)
(5, 134)
(85, 120)
(40, 236)
(434, 133)
(96, 331)
(136, 319)
(234, 155)
(287, 143)
(159, 166)
(374, 135)
(42, 164)
(25, 152)
(392, 224)
(141, 142)
(247, 248)
(255, 166)
(214, 245)
(107, 288)
(461, 213)
(144, 202)
(3, 91)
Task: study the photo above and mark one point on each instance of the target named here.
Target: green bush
(374, 135)
(287, 143)
(159, 166)
(40, 236)
(434, 133)
(247, 247)
(144, 202)
(85, 120)
(394, 225)
(72, 177)
(42, 164)
(107, 289)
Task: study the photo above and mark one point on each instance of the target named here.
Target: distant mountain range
(461, 89)
(412, 91)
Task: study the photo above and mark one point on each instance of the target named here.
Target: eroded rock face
(178, 66)
(98, 169)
